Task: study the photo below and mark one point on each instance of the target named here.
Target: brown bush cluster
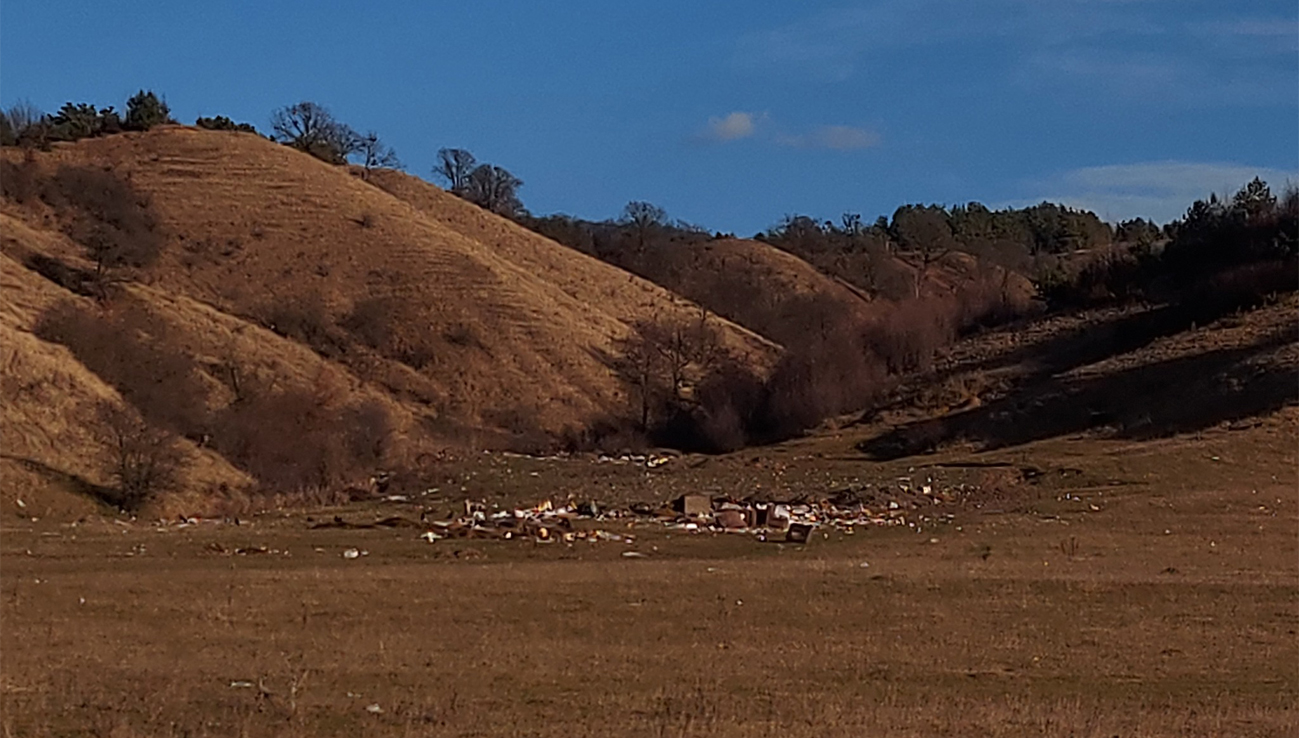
(287, 438)
(143, 460)
(135, 353)
(384, 324)
(841, 364)
(106, 216)
(307, 321)
(298, 438)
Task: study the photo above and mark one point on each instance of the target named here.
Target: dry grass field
(1131, 589)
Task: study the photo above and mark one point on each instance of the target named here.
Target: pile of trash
(845, 511)
(544, 523)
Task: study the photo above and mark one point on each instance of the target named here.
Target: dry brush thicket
(288, 438)
(834, 363)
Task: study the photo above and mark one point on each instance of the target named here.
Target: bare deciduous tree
(309, 127)
(922, 260)
(143, 461)
(108, 218)
(664, 359)
(454, 167)
(495, 189)
(644, 218)
(375, 154)
(639, 364)
(27, 124)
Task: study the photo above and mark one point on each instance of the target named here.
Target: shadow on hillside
(1151, 401)
(71, 482)
(1095, 342)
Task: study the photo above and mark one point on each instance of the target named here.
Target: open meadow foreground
(751, 422)
(1135, 590)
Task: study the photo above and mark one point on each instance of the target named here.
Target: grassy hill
(267, 274)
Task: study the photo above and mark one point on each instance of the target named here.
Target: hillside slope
(257, 230)
(279, 272)
(751, 283)
(49, 422)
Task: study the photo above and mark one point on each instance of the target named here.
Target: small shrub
(604, 435)
(390, 327)
(307, 321)
(1113, 277)
(828, 376)
(144, 461)
(19, 182)
(145, 110)
(1240, 287)
(525, 436)
(222, 123)
(462, 334)
(298, 439)
(908, 335)
(107, 217)
(369, 429)
(131, 350)
(27, 125)
(77, 281)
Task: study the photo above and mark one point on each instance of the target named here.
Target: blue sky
(729, 114)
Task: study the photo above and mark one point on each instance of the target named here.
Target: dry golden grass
(752, 283)
(251, 227)
(513, 328)
(577, 275)
(1168, 610)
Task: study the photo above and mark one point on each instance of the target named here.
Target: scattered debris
(220, 549)
(393, 521)
(798, 533)
(352, 553)
(732, 519)
(693, 505)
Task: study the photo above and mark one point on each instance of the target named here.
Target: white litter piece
(351, 553)
(633, 555)
(374, 709)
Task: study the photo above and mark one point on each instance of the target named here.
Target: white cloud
(829, 44)
(1159, 191)
(1143, 50)
(837, 138)
(734, 126)
(1283, 28)
(741, 125)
